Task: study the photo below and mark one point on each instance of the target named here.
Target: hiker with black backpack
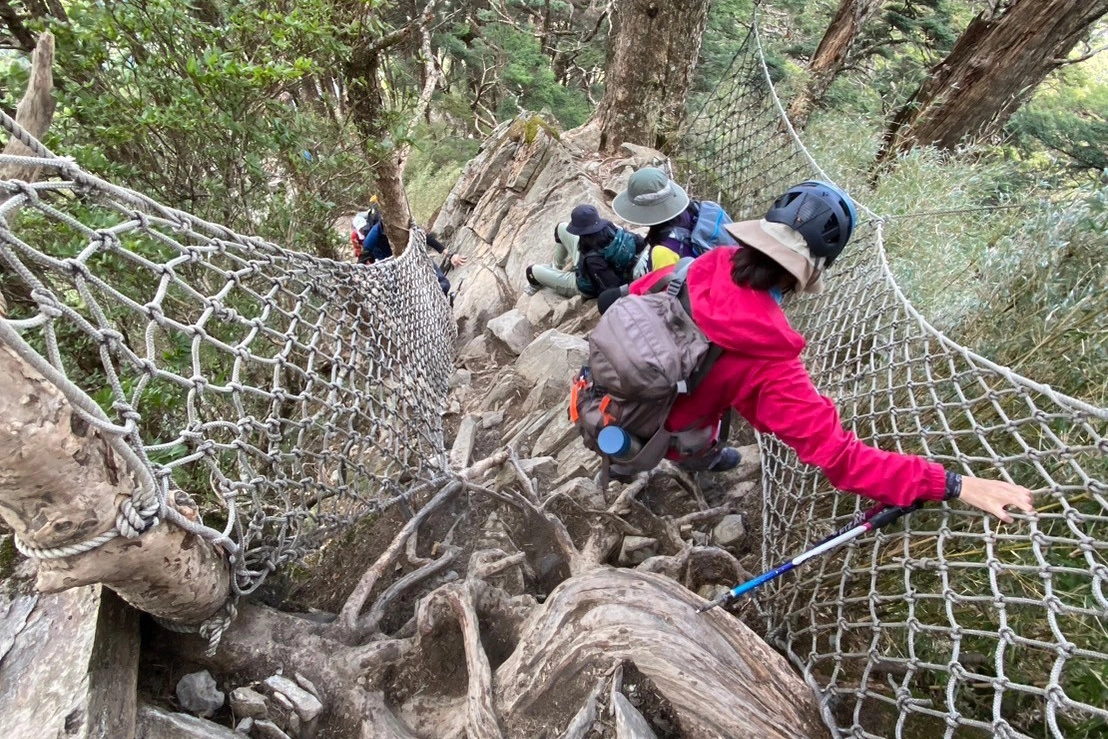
(372, 244)
(669, 361)
(679, 226)
(605, 258)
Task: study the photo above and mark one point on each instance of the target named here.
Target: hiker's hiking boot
(727, 458)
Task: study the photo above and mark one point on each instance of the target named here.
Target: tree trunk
(831, 55)
(995, 65)
(61, 484)
(652, 52)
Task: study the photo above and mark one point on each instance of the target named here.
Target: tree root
(531, 667)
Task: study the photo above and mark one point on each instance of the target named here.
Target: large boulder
(554, 356)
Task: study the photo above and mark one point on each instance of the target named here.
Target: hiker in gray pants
(561, 275)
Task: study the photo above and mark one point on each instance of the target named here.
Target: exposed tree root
(553, 666)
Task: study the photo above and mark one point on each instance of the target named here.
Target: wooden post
(61, 484)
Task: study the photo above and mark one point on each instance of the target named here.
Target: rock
(460, 378)
(584, 492)
(729, 531)
(503, 390)
(198, 694)
(543, 395)
(751, 465)
(513, 330)
(568, 309)
(574, 460)
(540, 307)
(155, 723)
(268, 730)
(637, 549)
(248, 702)
(484, 295)
(307, 705)
(475, 350)
(491, 419)
(245, 726)
(555, 356)
(711, 591)
(556, 435)
(462, 449)
(630, 724)
(542, 469)
(68, 663)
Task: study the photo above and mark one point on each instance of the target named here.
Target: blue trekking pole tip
(721, 599)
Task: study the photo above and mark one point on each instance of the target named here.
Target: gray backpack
(644, 352)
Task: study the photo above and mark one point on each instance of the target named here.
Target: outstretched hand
(457, 260)
(993, 496)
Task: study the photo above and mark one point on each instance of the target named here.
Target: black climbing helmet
(822, 213)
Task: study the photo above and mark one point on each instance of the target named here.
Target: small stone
(307, 705)
(197, 694)
(637, 549)
(307, 684)
(492, 419)
(245, 726)
(729, 531)
(268, 730)
(460, 378)
(248, 702)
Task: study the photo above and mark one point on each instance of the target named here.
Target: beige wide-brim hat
(784, 245)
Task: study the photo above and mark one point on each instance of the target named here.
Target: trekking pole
(874, 518)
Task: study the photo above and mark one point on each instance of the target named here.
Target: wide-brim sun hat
(784, 245)
(650, 198)
(585, 220)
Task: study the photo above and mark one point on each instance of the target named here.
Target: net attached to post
(949, 624)
(281, 395)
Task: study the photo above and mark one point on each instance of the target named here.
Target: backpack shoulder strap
(674, 285)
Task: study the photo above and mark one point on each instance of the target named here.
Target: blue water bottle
(617, 443)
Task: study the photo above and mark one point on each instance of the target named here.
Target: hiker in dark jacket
(734, 294)
(606, 254)
(376, 247)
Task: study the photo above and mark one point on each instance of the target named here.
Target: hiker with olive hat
(679, 225)
(602, 256)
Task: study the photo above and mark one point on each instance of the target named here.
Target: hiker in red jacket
(734, 294)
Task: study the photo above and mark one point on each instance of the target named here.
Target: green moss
(526, 129)
(8, 555)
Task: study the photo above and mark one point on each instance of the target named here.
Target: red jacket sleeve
(786, 404)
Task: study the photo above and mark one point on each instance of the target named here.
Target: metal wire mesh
(284, 395)
(950, 624)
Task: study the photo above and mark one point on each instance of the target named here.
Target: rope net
(948, 622)
(282, 395)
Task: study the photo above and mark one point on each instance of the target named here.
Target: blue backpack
(708, 232)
